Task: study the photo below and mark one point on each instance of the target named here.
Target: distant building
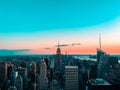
(37, 82)
(93, 73)
(12, 88)
(116, 84)
(102, 57)
(43, 77)
(58, 59)
(71, 78)
(13, 76)
(3, 75)
(23, 64)
(19, 83)
(99, 53)
(113, 61)
(99, 84)
(10, 69)
(54, 85)
(23, 73)
(47, 62)
(33, 73)
(32, 86)
(34, 67)
(52, 64)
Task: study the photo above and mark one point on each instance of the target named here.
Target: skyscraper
(13, 76)
(101, 56)
(33, 72)
(58, 59)
(3, 74)
(19, 83)
(23, 73)
(99, 50)
(43, 77)
(47, 62)
(99, 53)
(71, 78)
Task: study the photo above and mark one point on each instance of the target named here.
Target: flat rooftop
(71, 66)
(99, 81)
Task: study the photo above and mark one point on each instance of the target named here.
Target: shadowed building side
(3, 75)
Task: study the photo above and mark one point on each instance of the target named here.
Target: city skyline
(35, 27)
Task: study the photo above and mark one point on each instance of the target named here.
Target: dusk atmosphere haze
(36, 26)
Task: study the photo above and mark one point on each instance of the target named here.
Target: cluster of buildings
(60, 72)
(23, 77)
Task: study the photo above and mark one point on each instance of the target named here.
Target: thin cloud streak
(62, 45)
(47, 48)
(73, 44)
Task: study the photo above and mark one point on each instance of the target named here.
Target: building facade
(43, 77)
(19, 83)
(71, 78)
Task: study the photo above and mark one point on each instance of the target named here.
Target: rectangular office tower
(71, 78)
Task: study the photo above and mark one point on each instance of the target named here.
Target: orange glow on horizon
(111, 49)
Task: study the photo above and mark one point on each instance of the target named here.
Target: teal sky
(39, 15)
(54, 16)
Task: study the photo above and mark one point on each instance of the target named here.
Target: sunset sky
(36, 26)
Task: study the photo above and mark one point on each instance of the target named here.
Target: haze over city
(36, 27)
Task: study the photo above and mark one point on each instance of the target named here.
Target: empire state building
(58, 59)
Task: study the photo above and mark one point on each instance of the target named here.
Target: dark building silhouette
(116, 84)
(12, 88)
(113, 61)
(19, 83)
(23, 73)
(10, 69)
(58, 59)
(33, 72)
(93, 73)
(3, 75)
(23, 64)
(99, 53)
(47, 62)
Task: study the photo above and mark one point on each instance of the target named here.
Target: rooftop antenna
(100, 41)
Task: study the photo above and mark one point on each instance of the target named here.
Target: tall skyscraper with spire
(100, 56)
(58, 59)
(99, 50)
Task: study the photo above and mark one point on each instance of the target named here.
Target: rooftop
(71, 66)
(99, 81)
